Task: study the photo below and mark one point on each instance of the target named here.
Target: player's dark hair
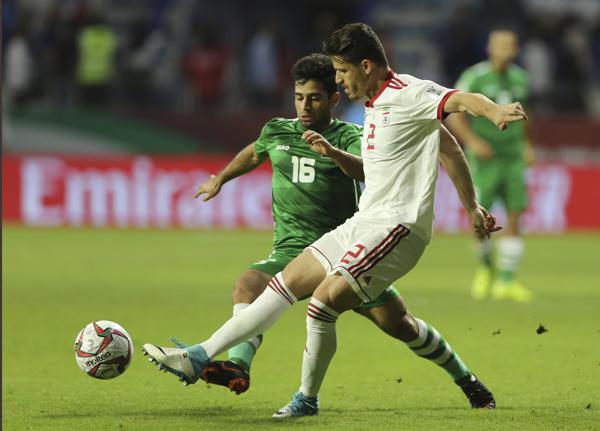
(355, 42)
(317, 67)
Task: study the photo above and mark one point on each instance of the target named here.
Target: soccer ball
(103, 349)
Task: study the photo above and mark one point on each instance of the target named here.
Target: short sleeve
(261, 145)
(352, 139)
(428, 99)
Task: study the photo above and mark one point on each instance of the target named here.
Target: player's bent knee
(337, 293)
(249, 286)
(303, 274)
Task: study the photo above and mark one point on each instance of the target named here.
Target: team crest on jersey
(385, 118)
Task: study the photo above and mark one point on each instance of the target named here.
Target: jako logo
(283, 147)
(97, 359)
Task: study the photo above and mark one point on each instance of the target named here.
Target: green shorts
(276, 261)
(502, 179)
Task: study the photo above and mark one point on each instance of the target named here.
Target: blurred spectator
(60, 51)
(244, 64)
(262, 66)
(19, 71)
(97, 44)
(204, 66)
(459, 42)
(540, 63)
(136, 63)
(575, 65)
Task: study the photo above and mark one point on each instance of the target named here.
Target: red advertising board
(158, 192)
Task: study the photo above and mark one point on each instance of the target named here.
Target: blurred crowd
(191, 56)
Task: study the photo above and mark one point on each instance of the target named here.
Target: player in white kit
(383, 240)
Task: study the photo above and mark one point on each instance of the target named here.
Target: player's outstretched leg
(186, 362)
(431, 345)
(235, 372)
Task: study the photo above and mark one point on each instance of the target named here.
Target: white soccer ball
(103, 349)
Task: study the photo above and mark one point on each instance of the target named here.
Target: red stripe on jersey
(396, 84)
(440, 109)
(388, 79)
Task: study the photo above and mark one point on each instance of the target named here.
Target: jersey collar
(303, 129)
(388, 79)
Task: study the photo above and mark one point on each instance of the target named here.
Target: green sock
(506, 275)
(484, 250)
(243, 353)
(432, 346)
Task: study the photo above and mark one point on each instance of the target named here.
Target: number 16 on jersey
(303, 170)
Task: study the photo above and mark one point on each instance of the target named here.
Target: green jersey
(311, 195)
(503, 88)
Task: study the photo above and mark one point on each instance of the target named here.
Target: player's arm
(459, 124)
(350, 164)
(454, 161)
(245, 161)
(480, 106)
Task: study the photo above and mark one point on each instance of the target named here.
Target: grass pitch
(162, 283)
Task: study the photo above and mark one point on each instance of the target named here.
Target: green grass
(162, 283)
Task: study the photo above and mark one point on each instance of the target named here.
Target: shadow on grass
(154, 412)
(262, 416)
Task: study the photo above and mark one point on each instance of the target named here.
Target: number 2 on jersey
(303, 170)
(371, 145)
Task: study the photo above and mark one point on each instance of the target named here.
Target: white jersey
(400, 151)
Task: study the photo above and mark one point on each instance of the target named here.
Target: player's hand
(509, 113)
(210, 188)
(483, 222)
(318, 143)
(482, 149)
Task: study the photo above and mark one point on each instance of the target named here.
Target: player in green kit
(498, 160)
(311, 196)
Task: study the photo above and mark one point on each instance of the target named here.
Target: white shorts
(370, 254)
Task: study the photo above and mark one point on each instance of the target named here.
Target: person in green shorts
(311, 196)
(498, 160)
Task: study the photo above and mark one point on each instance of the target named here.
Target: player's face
(503, 46)
(352, 78)
(313, 104)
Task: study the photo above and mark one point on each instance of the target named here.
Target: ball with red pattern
(103, 349)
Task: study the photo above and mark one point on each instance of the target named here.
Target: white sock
(237, 308)
(510, 252)
(320, 346)
(255, 319)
